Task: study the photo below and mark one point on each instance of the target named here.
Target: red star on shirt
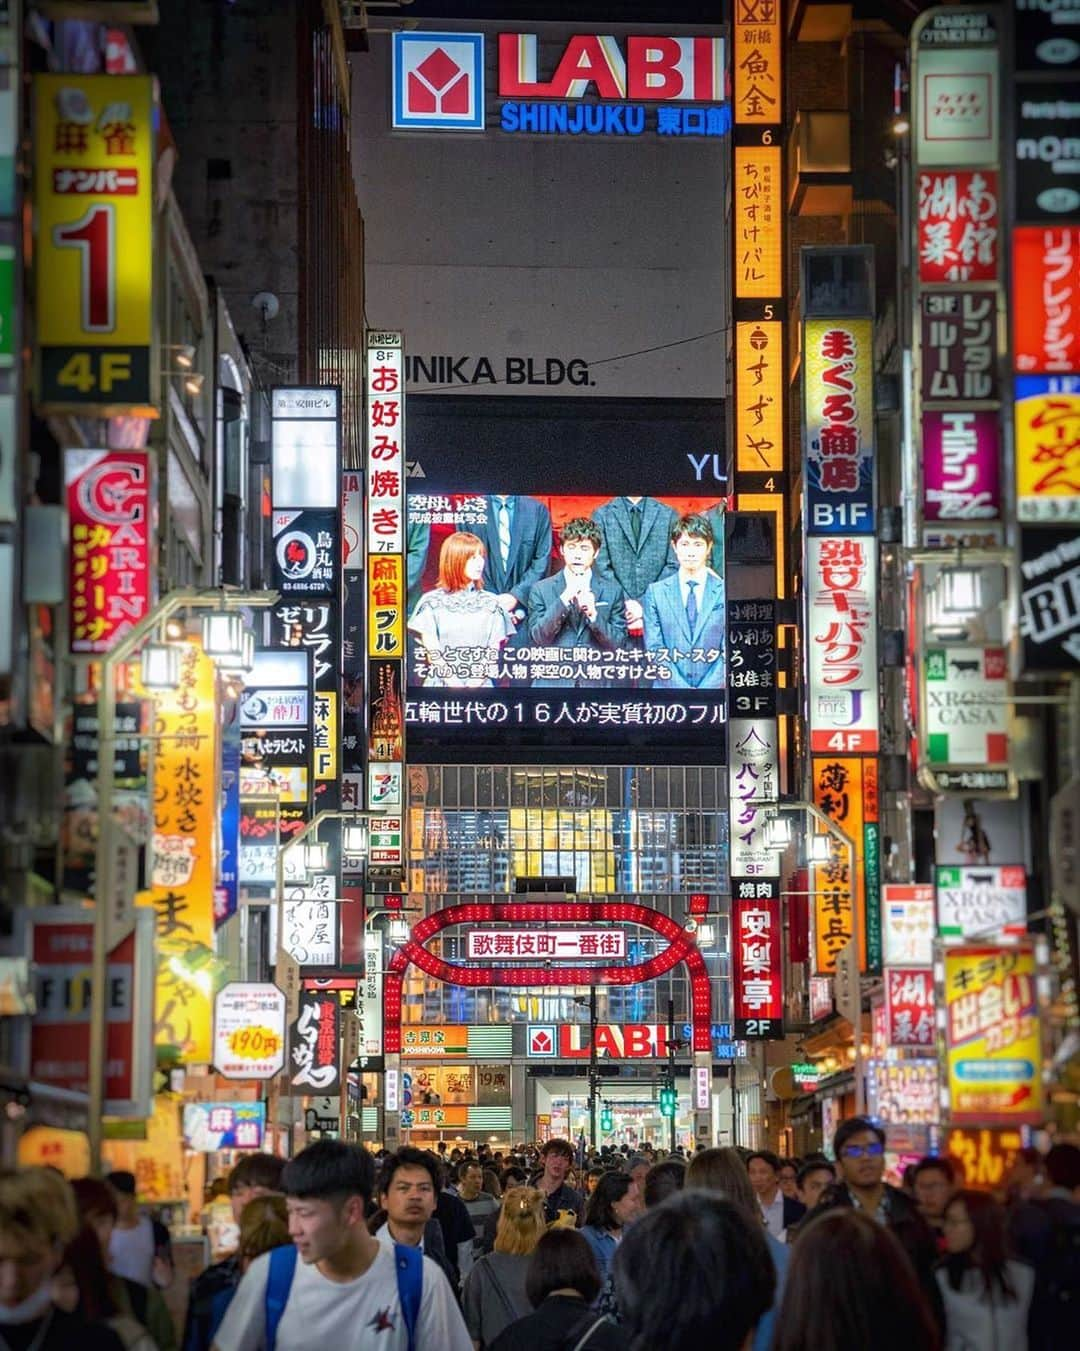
(382, 1322)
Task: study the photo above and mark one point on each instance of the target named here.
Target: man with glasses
(860, 1154)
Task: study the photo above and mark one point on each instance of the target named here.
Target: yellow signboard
(993, 1040)
(758, 197)
(386, 605)
(757, 43)
(1047, 411)
(759, 400)
(185, 789)
(94, 153)
(327, 735)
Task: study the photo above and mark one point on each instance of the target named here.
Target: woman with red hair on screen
(459, 626)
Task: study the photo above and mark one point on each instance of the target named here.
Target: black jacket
(558, 1325)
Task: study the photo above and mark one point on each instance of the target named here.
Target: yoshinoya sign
(1050, 598)
(527, 944)
(591, 85)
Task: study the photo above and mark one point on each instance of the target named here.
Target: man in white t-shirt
(344, 1291)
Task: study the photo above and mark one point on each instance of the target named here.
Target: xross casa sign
(439, 79)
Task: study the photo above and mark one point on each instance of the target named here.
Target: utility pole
(671, 1067)
(593, 1071)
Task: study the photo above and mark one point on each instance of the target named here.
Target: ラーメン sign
(249, 1031)
(1047, 414)
(993, 1037)
(94, 155)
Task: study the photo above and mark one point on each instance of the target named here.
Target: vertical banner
(94, 156)
(183, 873)
(838, 398)
(386, 592)
(306, 524)
(314, 1040)
(758, 212)
(353, 751)
(757, 994)
(846, 790)
(993, 1040)
(841, 642)
(10, 260)
(110, 579)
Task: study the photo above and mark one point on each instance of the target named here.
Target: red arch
(681, 948)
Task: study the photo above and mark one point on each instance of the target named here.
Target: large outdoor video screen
(540, 612)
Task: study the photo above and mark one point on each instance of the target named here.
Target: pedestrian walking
(38, 1219)
(614, 1204)
(693, 1273)
(562, 1203)
(337, 1285)
(851, 1287)
(561, 1283)
(495, 1294)
(987, 1294)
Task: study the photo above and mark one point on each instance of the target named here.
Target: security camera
(267, 305)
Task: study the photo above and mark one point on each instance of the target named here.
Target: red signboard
(757, 961)
(909, 1006)
(958, 225)
(109, 514)
(61, 949)
(1046, 299)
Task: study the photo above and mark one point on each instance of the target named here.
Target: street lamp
(158, 618)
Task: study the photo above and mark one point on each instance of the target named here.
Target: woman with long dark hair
(851, 1287)
(612, 1206)
(987, 1294)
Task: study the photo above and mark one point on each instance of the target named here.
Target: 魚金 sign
(758, 43)
(94, 158)
(993, 1037)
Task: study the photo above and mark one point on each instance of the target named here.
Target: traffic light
(669, 1100)
(607, 1120)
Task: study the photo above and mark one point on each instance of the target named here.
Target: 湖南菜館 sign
(249, 1030)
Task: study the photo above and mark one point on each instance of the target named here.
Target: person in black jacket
(561, 1283)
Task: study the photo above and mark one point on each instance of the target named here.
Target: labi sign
(596, 86)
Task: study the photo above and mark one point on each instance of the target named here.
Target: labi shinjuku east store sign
(598, 85)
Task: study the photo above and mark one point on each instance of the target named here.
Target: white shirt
(386, 1238)
(361, 1315)
(131, 1251)
(774, 1215)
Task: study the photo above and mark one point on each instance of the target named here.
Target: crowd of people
(544, 1250)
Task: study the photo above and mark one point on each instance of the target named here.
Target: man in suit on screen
(684, 612)
(517, 540)
(578, 607)
(635, 549)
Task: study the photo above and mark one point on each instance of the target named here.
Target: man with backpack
(1045, 1232)
(337, 1285)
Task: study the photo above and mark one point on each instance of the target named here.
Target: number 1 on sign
(94, 235)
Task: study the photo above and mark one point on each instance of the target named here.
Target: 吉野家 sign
(94, 153)
(249, 1031)
(993, 1036)
(525, 944)
(110, 510)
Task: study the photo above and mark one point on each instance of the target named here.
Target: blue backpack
(408, 1263)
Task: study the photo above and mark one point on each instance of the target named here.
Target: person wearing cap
(139, 1248)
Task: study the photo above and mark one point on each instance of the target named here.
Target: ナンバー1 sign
(249, 1031)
